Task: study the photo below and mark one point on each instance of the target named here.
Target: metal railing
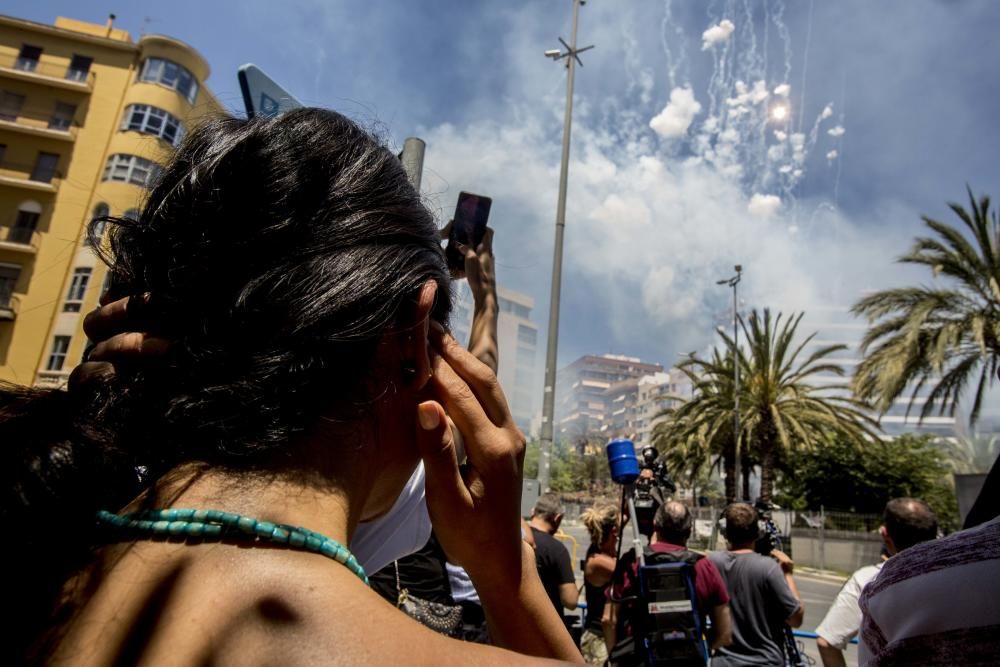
(30, 172)
(9, 307)
(41, 119)
(56, 379)
(20, 236)
(48, 70)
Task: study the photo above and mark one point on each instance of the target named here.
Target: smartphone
(468, 226)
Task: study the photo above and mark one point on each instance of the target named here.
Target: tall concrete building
(596, 396)
(654, 394)
(517, 340)
(87, 118)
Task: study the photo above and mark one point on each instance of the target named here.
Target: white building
(654, 392)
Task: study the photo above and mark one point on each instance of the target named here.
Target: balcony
(49, 74)
(9, 308)
(27, 177)
(38, 123)
(52, 379)
(19, 239)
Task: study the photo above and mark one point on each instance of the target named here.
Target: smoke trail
(678, 65)
(778, 17)
(805, 65)
(840, 140)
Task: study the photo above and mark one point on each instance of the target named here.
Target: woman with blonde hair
(601, 522)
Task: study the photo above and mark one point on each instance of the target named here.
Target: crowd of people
(275, 451)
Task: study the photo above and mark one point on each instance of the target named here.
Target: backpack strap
(683, 556)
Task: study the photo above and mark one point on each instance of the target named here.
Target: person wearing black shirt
(551, 557)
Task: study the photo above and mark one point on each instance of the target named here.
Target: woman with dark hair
(302, 286)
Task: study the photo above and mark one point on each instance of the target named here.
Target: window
(25, 224)
(77, 289)
(79, 67)
(150, 120)
(10, 105)
(9, 274)
(526, 335)
(27, 60)
(60, 346)
(130, 169)
(98, 223)
(171, 75)
(62, 116)
(45, 167)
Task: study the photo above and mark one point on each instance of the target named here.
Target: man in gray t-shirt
(763, 594)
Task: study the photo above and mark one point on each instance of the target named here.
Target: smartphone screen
(468, 226)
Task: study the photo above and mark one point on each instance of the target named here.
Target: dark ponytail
(58, 469)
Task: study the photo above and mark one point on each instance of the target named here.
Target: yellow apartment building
(87, 116)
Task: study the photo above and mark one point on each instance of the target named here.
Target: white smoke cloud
(643, 229)
(832, 155)
(780, 136)
(782, 90)
(763, 206)
(675, 119)
(827, 112)
(836, 131)
(717, 34)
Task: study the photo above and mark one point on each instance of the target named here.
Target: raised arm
(476, 512)
(479, 271)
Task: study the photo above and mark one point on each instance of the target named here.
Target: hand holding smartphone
(467, 228)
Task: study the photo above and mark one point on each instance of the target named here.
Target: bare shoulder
(309, 610)
(167, 603)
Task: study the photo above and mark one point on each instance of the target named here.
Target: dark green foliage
(840, 476)
(569, 470)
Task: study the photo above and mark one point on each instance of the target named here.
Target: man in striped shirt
(937, 603)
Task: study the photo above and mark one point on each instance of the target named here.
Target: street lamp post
(549, 393)
(734, 282)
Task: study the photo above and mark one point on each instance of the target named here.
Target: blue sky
(814, 207)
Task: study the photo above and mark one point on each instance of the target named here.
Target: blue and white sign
(262, 96)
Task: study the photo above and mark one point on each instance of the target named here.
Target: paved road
(817, 593)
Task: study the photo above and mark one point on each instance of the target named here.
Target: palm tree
(943, 335)
(780, 411)
(697, 433)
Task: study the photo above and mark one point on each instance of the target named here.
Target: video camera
(768, 535)
(653, 487)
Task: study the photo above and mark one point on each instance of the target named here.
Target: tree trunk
(729, 470)
(747, 466)
(766, 471)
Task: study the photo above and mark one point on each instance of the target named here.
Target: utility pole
(549, 390)
(734, 283)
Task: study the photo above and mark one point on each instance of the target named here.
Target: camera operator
(763, 594)
(653, 488)
(671, 531)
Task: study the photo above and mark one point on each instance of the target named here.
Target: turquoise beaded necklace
(215, 525)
